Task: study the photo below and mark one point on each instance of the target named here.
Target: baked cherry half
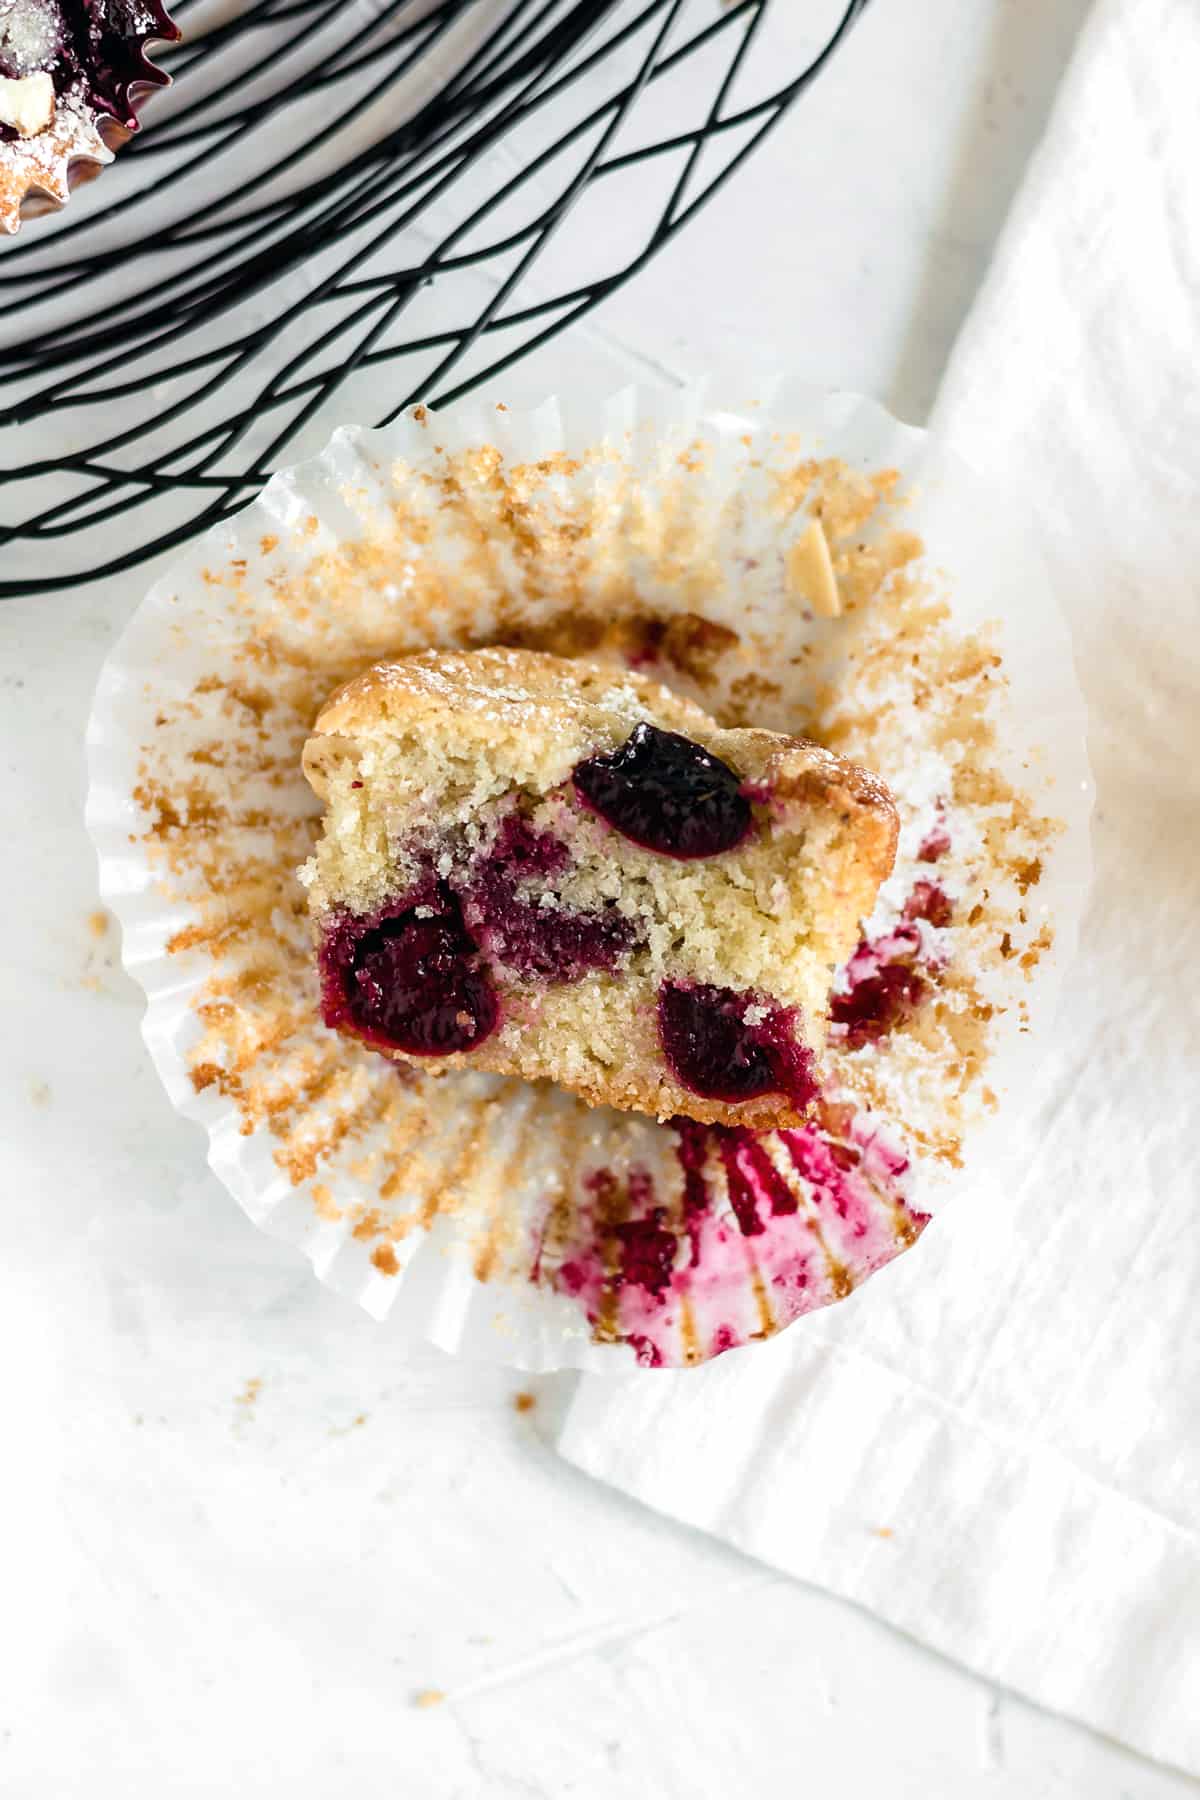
(721, 1053)
(411, 982)
(667, 793)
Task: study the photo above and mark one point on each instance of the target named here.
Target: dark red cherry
(667, 793)
(410, 982)
(718, 1054)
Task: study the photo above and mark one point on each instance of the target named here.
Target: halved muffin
(554, 870)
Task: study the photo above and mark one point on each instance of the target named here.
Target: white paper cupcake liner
(507, 1221)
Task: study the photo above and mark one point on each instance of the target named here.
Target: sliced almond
(810, 571)
(27, 103)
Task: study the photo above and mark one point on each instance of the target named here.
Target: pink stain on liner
(814, 1209)
(688, 1245)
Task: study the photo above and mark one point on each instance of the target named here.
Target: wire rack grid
(340, 208)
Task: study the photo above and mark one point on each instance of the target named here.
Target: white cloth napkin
(995, 1444)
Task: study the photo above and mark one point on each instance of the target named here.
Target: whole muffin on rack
(71, 75)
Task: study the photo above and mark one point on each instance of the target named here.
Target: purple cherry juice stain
(891, 975)
(409, 978)
(878, 1004)
(691, 1153)
(550, 944)
(648, 1251)
(519, 850)
(617, 1250)
(718, 1052)
(757, 1190)
(935, 843)
(648, 1354)
(667, 793)
(930, 902)
(754, 1230)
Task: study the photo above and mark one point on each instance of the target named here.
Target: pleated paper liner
(510, 1221)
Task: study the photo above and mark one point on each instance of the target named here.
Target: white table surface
(255, 1544)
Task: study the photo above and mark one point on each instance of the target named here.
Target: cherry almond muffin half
(557, 871)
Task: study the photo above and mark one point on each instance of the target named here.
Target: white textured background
(243, 1528)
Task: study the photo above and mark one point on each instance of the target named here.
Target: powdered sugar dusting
(29, 35)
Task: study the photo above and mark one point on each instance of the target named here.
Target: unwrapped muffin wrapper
(507, 1221)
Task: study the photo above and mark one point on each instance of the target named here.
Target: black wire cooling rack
(341, 207)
